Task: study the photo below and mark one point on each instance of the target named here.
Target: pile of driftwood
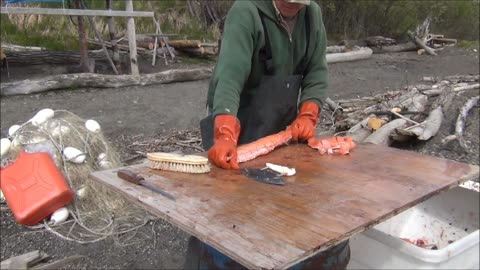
(145, 47)
(421, 40)
(147, 44)
(193, 47)
(415, 113)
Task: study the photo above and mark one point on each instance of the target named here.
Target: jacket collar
(268, 8)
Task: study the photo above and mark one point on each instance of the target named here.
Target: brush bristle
(179, 167)
(178, 158)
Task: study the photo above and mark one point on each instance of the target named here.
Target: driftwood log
(141, 51)
(382, 135)
(333, 106)
(459, 88)
(336, 49)
(177, 44)
(463, 78)
(49, 57)
(425, 130)
(422, 44)
(362, 53)
(404, 47)
(360, 131)
(109, 45)
(200, 51)
(190, 47)
(379, 41)
(17, 48)
(66, 81)
(460, 124)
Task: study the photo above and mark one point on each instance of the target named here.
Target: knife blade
(137, 179)
(263, 176)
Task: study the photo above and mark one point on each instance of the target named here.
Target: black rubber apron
(273, 106)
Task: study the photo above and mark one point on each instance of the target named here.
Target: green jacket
(239, 69)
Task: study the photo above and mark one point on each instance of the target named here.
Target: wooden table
(329, 199)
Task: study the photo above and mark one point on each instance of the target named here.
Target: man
(270, 50)
(272, 59)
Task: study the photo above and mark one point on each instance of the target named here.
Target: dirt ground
(159, 114)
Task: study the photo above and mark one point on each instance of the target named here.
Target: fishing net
(96, 211)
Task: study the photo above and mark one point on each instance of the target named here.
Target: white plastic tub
(449, 220)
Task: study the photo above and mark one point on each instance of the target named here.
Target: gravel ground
(166, 117)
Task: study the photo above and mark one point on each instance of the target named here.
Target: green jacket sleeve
(234, 61)
(315, 82)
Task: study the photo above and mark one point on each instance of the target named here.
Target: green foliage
(45, 32)
(460, 19)
(468, 44)
(350, 19)
(346, 19)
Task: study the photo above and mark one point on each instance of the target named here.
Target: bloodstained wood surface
(327, 201)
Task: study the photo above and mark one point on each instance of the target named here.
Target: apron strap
(300, 70)
(265, 53)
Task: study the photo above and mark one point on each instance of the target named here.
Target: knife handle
(130, 176)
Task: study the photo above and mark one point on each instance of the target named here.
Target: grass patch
(60, 33)
(468, 44)
(39, 31)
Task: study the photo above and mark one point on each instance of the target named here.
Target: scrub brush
(178, 162)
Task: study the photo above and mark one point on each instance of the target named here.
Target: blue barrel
(204, 257)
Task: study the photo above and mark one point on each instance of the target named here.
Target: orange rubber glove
(303, 127)
(223, 153)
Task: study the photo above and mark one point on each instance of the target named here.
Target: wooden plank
(132, 41)
(75, 12)
(327, 201)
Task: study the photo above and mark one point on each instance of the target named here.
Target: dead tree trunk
(113, 38)
(99, 37)
(86, 64)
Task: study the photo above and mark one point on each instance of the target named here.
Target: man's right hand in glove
(223, 153)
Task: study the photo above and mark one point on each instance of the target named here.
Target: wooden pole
(155, 44)
(165, 39)
(75, 12)
(132, 41)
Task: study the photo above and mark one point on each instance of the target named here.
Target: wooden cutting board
(327, 201)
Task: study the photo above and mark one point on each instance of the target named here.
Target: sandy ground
(149, 112)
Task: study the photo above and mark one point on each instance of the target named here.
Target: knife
(137, 179)
(263, 176)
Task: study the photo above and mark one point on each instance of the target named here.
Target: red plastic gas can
(34, 187)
